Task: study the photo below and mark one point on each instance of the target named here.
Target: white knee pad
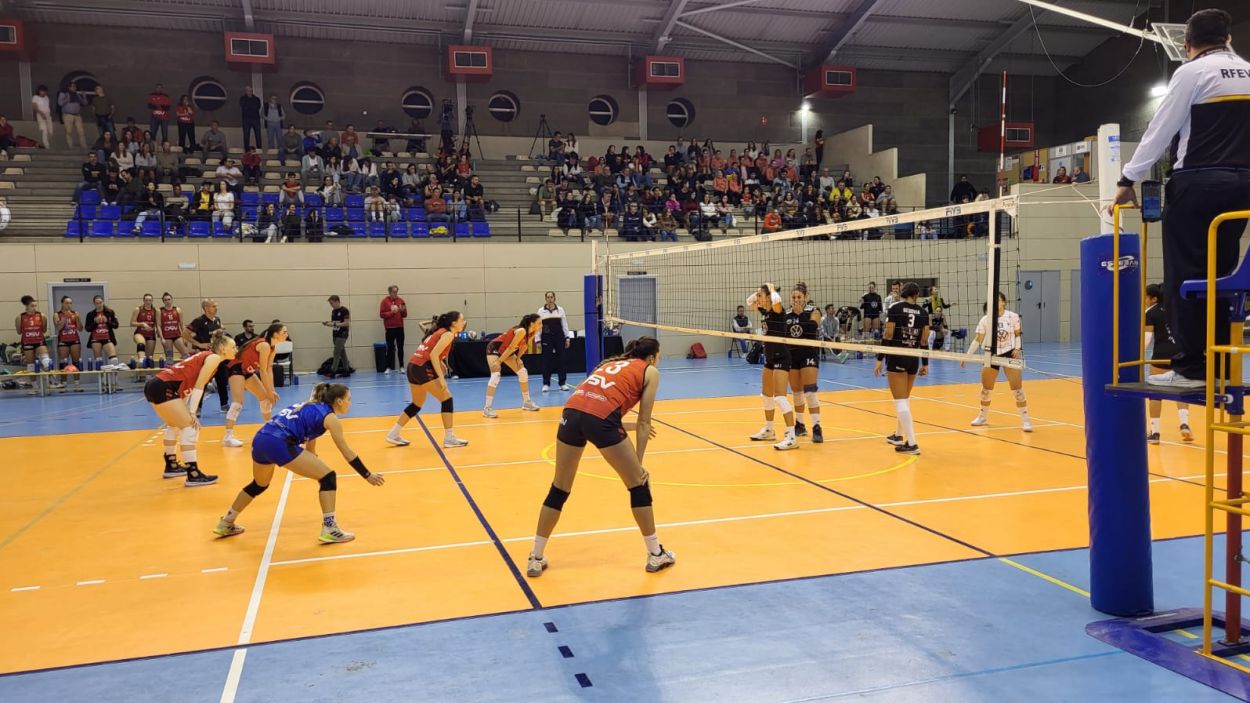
(190, 435)
(1019, 395)
(769, 402)
(233, 413)
(494, 380)
(523, 375)
(783, 404)
(171, 433)
(45, 362)
(813, 399)
(985, 395)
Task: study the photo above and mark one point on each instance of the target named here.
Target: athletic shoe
(454, 442)
(1026, 426)
(565, 387)
(1171, 378)
(489, 412)
(536, 567)
(764, 435)
(546, 388)
(387, 372)
(397, 440)
(227, 529)
(196, 478)
(1152, 438)
(895, 440)
(231, 441)
(334, 534)
(1187, 434)
(842, 357)
(800, 430)
(980, 420)
(174, 471)
(663, 560)
(531, 406)
(907, 449)
(817, 435)
(786, 443)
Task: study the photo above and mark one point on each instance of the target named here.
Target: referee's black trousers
(395, 348)
(1193, 200)
(553, 360)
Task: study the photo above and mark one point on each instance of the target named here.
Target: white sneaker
(387, 372)
(231, 441)
(1171, 378)
(546, 389)
(397, 440)
(788, 442)
(531, 406)
(536, 566)
(335, 535)
(454, 442)
(566, 387)
(764, 435)
(489, 412)
(980, 420)
(1026, 426)
(663, 560)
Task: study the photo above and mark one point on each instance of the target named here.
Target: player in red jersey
(101, 322)
(593, 413)
(427, 374)
(506, 349)
(171, 329)
(175, 395)
(32, 328)
(252, 369)
(69, 337)
(143, 320)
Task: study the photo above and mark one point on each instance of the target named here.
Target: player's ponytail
(271, 330)
(27, 300)
(328, 393)
(528, 320)
(639, 348)
(218, 340)
(446, 320)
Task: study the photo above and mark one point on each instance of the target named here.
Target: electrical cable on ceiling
(1141, 42)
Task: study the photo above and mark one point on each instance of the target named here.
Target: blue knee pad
(555, 498)
(640, 495)
(329, 482)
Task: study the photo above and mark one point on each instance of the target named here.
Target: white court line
(231, 688)
(215, 570)
(146, 577)
(92, 582)
(23, 588)
(408, 550)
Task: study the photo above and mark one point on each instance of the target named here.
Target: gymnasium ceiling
(956, 37)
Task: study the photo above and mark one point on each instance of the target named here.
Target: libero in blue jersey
(289, 440)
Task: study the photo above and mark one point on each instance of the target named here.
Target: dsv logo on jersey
(1127, 262)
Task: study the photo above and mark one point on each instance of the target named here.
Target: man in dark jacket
(963, 189)
(249, 106)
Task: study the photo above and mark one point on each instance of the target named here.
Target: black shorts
(159, 391)
(776, 356)
(421, 375)
(493, 348)
(32, 347)
(66, 345)
(804, 358)
(909, 365)
(232, 370)
(577, 427)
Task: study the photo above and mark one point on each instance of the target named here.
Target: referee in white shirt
(555, 338)
(1207, 109)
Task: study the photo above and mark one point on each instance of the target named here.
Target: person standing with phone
(1206, 107)
(341, 321)
(393, 310)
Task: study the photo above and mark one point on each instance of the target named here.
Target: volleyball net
(962, 253)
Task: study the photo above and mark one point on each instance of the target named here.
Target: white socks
(396, 430)
(327, 519)
(540, 543)
(1154, 425)
(653, 544)
(490, 400)
(1183, 411)
(903, 408)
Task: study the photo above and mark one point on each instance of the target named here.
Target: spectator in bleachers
(393, 186)
(457, 206)
(152, 205)
(589, 212)
(672, 160)
(92, 175)
(103, 107)
(214, 141)
(790, 211)
(331, 192)
(772, 221)
(121, 159)
(568, 215)
(375, 210)
(435, 205)
(41, 105)
(72, 103)
(232, 176)
(271, 115)
(131, 189)
(329, 132)
(250, 166)
(289, 142)
(331, 147)
(167, 164)
(223, 205)
(312, 167)
(555, 148)
(570, 146)
(350, 141)
(311, 141)
(389, 173)
(368, 173)
(631, 224)
(1061, 176)
(292, 190)
(314, 226)
(963, 190)
(158, 108)
(1079, 175)
(110, 188)
(184, 114)
(650, 224)
(249, 117)
(145, 159)
(380, 144)
(415, 145)
(475, 194)
(667, 225)
(707, 216)
(290, 224)
(865, 195)
(394, 210)
(611, 209)
(8, 140)
(725, 213)
(545, 196)
(886, 201)
(267, 224)
(201, 205)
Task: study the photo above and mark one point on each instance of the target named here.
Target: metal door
(637, 301)
(81, 293)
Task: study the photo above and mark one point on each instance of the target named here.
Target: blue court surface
(990, 629)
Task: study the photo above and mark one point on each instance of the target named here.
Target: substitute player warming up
(594, 414)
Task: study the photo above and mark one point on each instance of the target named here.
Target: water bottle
(294, 379)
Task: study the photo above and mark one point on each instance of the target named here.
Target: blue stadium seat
(249, 199)
(89, 197)
(354, 200)
(377, 229)
(334, 215)
(86, 212)
(74, 227)
(267, 198)
(125, 229)
(399, 230)
(355, 214)
(221, 232)
(481, 229)
(110, 212)
(151, 228)
(358, 229)
(198, 229)
(416, 214)
(462, 229)
(249, 214)
(420, 230)
(102, 228)
(312, 199)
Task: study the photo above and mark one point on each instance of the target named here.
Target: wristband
(359, 466)
(1125, 182)
(880, 357)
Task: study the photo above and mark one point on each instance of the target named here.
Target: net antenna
(1170, 36)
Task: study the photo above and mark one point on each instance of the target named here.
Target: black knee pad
(329, 482)
(254, 489)
(141, 347)
(449, 405)
(811, 388)
(555, 498)
(412, 410)
(640, 496)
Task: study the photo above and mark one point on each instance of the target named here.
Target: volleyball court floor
(839, 570)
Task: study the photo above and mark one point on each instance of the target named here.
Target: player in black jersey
(1158, 333)
(847, 318)
(870, 303)
(776, 367)
(907, 326)
(803, 322)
